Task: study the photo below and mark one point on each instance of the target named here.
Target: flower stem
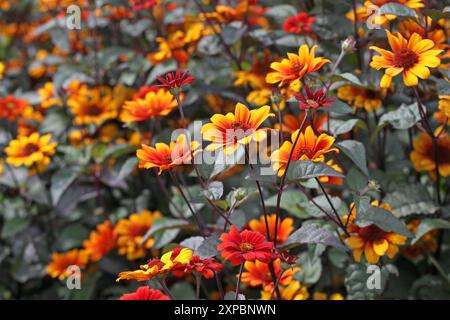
(241, 268)
(198, 281)
(180, 108)
(166, 290)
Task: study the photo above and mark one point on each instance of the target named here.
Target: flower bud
(349, 44)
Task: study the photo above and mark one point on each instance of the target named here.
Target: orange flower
(434, 33)
(47, 96)
(130, 233)
(231, 131)
(57, 268)
(257, 273)
(30, 151)
(155, 104)
(145, 272)
(333, 180)
(308, 147)
(426, 244)
(166, 157)
(443, 114)
(12, 108)
(101, 241)
(422, 156)
(292, 123)
(294, 291)
(285, 227)
(371, 240)
(360, 97)
(412, 58)
(295, 66)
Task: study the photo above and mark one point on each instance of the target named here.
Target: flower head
(293, 291)
(175, 80)
(308, 147)
(203, 267)
(101, 241)
(145, 293)
(299, 24)
(130, 234)
(145, 272)
(166, 157)
(47, 96)
(29, 151)
(231, 131)
(239, 247)
(59, 266)
(412, 58)
(257, 273)
(285, 227)
(12, 108)
(176, 258)
(313, 100)
(295, 67)
(138, 5)
(369, 99)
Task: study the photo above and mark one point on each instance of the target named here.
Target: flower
(59, 266)
(338, 181)
(257, 273)
(244, 246)
(47, 96)
(145, 293)
(175, 258)
(233, 130)
(427, 243)
(138, 5)
(11, 108)
(308, 147)
(371, 240)
(204, 267)
(423, 158)
(154, 104)
(101, 241)
(285, 227)
(412, 58)
(433, 32)
(175, 80)
(295, 66)
(145, 272)
(2, 70)
(34, 150)
(294, 291)
(166, 157)
(443, 114)
(313, 100)
(369, 99)
(299, 24)
(130, 233)
(291, 123)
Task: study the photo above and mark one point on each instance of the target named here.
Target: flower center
(296, 67)
(30, 148)
(405, 58)
(246, 247)
(371, 233)
(240, 130)
(94, 110)
(303, 151)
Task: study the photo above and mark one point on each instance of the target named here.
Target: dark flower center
(303, 151)
(296, 67)
(94, 110)
(371, 233)
(405, 58)
(246, 247)
(30, 148)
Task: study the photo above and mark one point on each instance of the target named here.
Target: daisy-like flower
(12, 108)
(291, 122)
(101, 241)
(371, 240)
(145, 293)
(313, 100)
(29, 151)
(138, 5)
(176, 258)
(333, 180)
(203, 267)
(175, 80)
(295, 66)
(154, 104)
(308, 147)
(239, 247)
(58, 267)
(369, 99)
(231, 131)
(257, 273)
(299, 24)
(165, 157)
(443, 114)
(47, 96)
(146, 272)
(422, 156)
(130, 233)
(294, 291)
(412, 58)
(285, 227)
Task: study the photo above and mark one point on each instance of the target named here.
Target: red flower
(299, 24)
(313, 100)
(145, 293)
(174, 80)
(205, 267)
(245, 246)
(143, 4)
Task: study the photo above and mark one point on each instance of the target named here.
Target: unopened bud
(372, 185)
(349, 44)
(240, 194)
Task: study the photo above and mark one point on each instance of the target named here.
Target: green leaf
(356, 279)
(338, 127)
(183, 291)
(208, 248)
(427, 225)
(305, 169)
(281, 11)
(313, 233)
(351, 78)
(192, 243)
(61, 181)
(311, 265)
(397, 9)
(356, 152)
(165, 230)
(13, 226)
(312, 209)
(55, 122)
(339, 107)
(356, 180)
(368, 214)
(214, 190)
(443, 87)
(411, 199)
(402, 118)
(293, 201)
(71, 237)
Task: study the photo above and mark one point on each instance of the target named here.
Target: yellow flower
(294, 291)
(233, 130)
(130, 233)
(31, 150)
(182, 257)
(2, 70)
(145, 273)
(412, 58)
(366, 98)
(443, 114)
(295, 66)
(47, 95)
